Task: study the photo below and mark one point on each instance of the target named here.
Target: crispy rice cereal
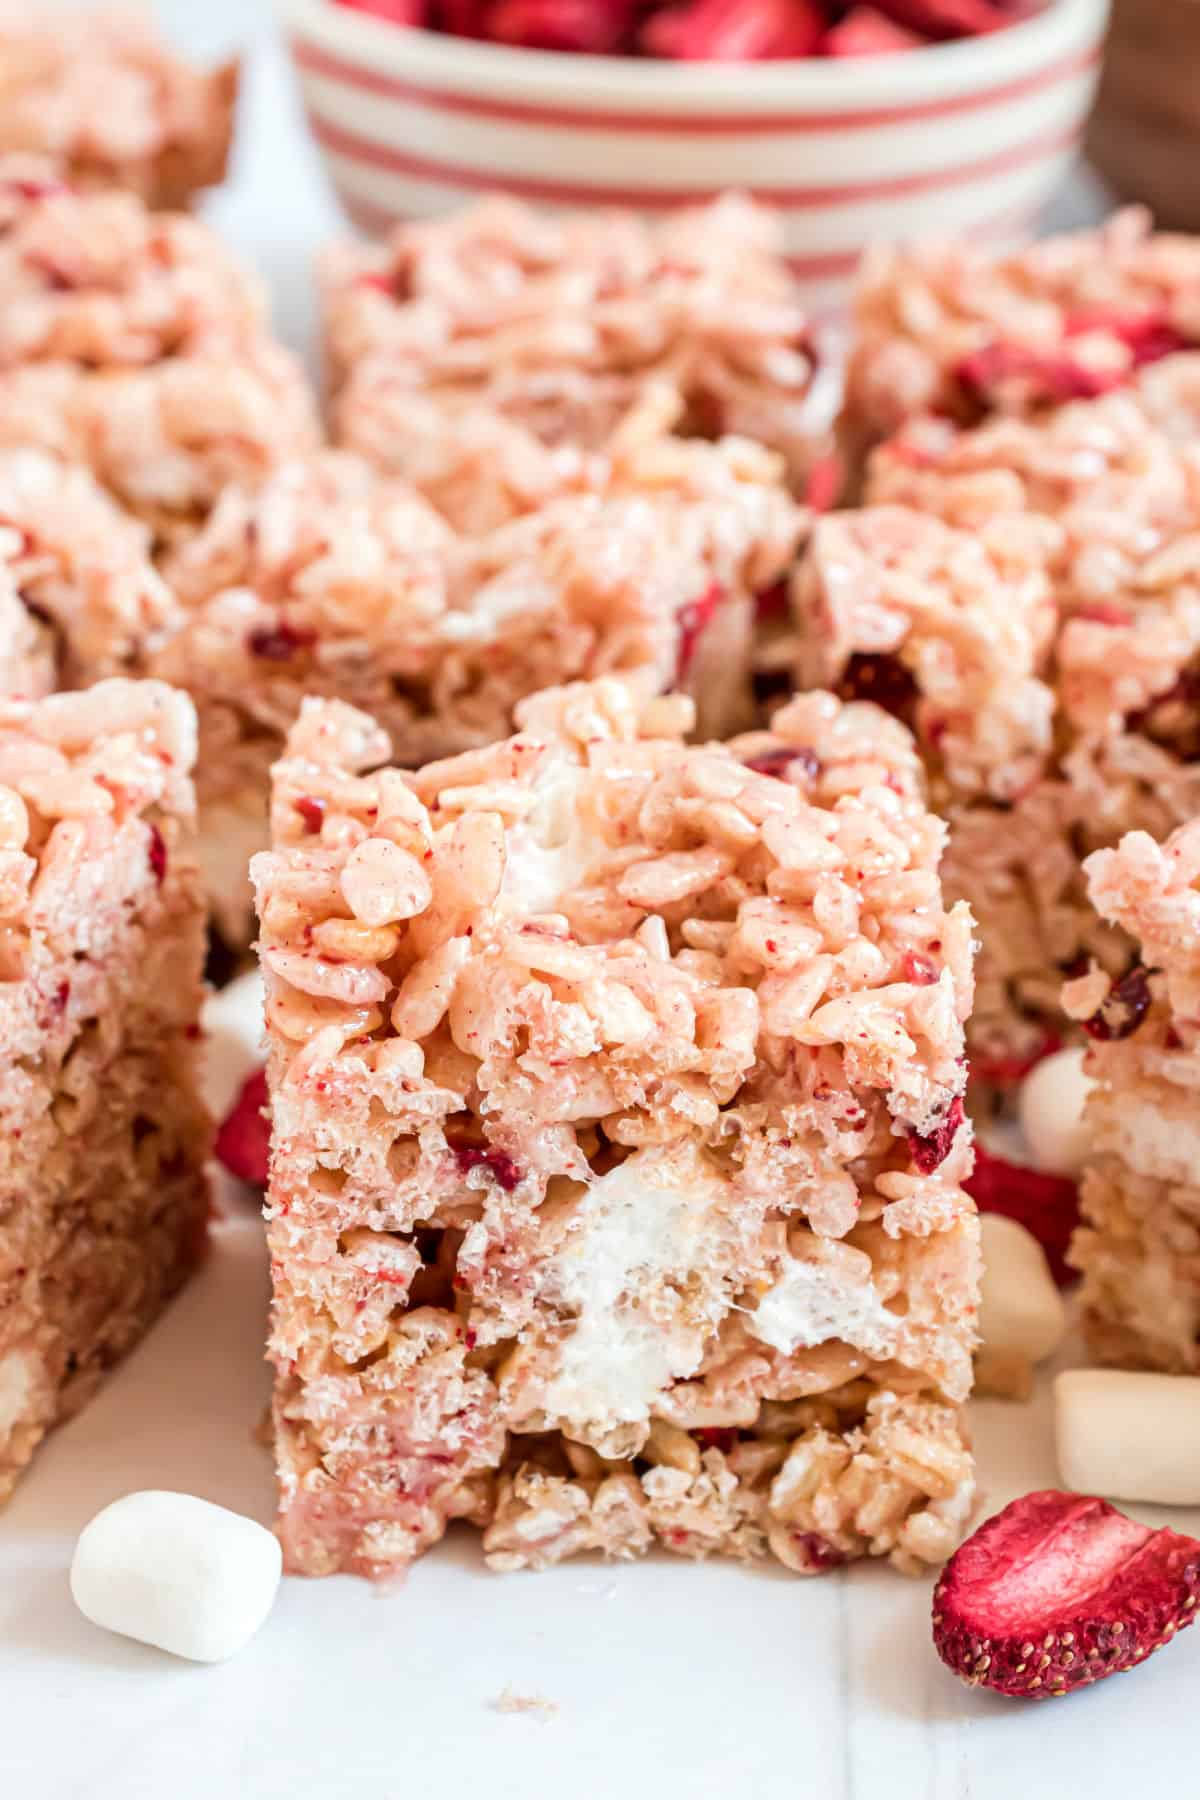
(493, 356)
(617, 1141)
(334, 580)
(1139, 1245)
(103, 1138)
(103, 94)
(79, 596)
(1105, 496)
(957, 330)
(132, 341)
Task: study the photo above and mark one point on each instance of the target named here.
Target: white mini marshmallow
(1021, 1313)
(176, 1572)
(1050, 1109)
(1129, 1436)
(232, 1022)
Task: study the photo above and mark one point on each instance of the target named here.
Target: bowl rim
(1062, 31)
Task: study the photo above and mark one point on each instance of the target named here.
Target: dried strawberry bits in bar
(957, 330)
(132, 341)
(102, 1134)
(491, 356)
(79, 597)
(1115, 493)
(1137, 1247)
(334, 580)
(949, 631)
(102, 93)
(618, 1139)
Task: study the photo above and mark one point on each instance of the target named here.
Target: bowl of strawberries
(858, 121)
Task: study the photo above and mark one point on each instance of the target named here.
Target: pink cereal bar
(617, 1141)
(103, 1195)
(960, 331)
(332, 579)
(101, 92)
(491, 356)
(1113, 486)
(79, 595)
(1138, 1247)
(133, 342)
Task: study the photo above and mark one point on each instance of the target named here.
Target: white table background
(671, 1681)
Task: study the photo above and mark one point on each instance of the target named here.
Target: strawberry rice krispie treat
(103, 1194)
(101, 92)
(79, 596)
(1139, 1244)
(133, 342)
(617, 1141)
(332, 579)
(959, 331)
(494, 356)
(1113, 489)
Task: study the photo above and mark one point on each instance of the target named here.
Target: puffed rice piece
(615, 1189)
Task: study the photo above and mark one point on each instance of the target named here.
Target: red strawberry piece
(865, 31)
(734, 30)
(1056, 378)
(244, 1139)
(918, 969)
(1046, 1205)
(1058, 1591)
(930, 1149)
(692, 618)
(312, 811)
(396, 12)
(279, 643)
(157, 854)
(825, 479)
(780, 762)
(1123, 1011)
(499, 1162)
(582, 25)
(952, 18)
(1149, 335)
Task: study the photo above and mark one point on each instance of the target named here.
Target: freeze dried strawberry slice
(1058, 1591)
(1046, 1205)
(1123, 1011)
(1056, 378)
(582, 25)
(1149, 335)
(734, 30)
(865, 31)
(952, 18)
(244, 1140)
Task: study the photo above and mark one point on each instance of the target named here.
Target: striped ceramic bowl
(965, 138)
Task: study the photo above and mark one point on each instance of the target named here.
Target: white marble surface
(670, 1681)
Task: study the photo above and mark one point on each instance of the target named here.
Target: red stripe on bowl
(574, 193)
(317, 61)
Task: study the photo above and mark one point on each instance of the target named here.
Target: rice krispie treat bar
(79, 595)
(492, 356)
(332, 579)
(617, 1141)
(956, 330)
(1139, 1245)
(102, 1135)
(1109, 492)
(102, 93)
(133, 342)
